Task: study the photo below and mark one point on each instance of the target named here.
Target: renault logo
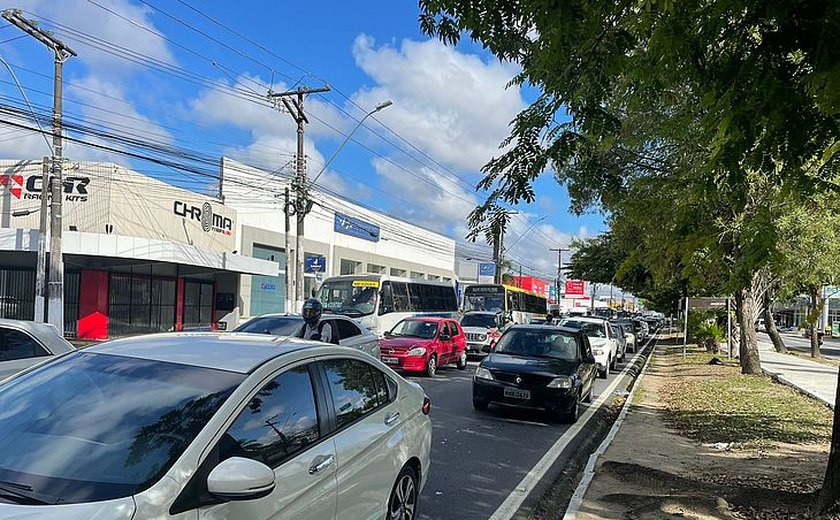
(518, 380)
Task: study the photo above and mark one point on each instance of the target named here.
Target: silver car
(350, 332)
(205, 426)
(26, 343)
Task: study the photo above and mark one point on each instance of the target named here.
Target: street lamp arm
(380, 106)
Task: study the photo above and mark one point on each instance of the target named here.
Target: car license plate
(390, 360)
(517, 393)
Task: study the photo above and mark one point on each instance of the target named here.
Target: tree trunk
(829, 501)
(745, 314)
(815, 320)
(770, 324)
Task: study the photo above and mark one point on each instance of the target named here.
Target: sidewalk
(701, 441)
(814, 379)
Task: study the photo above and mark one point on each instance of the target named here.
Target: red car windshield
(415, 329)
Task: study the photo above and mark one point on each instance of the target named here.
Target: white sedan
(602, 339)
(206, 426)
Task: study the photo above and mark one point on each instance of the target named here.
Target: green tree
(712, 108)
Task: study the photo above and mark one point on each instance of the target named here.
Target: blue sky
(450, 104)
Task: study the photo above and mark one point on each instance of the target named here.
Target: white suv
(212, 427)
(601, 338)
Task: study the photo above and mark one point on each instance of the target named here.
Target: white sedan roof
(585, 319)
(234, 352)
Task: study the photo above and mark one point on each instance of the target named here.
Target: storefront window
(140, 304)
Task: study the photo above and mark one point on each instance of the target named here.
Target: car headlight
(417, 351)
(483, 373)
(598, 351)
(560, 382)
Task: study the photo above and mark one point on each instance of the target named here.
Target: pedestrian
(549, 319)
(314, 328)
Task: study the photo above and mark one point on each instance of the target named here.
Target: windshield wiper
(20, 493)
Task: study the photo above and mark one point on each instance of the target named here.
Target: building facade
(139, 255)
(341, 237)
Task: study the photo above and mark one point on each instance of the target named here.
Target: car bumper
(405, 363)
(558, 400)
(478, 349)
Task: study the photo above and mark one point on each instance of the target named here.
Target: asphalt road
(478, 458)
(829, 349)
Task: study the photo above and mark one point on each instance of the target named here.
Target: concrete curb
(589, 471)
(779, 378)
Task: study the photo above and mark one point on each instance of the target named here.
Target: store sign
(354, 227)
(75, 188)
(210, 221)
(552, 294)
(315, 264)
(268, 287)
(486, 269)
(574, 288)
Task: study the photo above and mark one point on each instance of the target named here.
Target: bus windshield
(487, 298)
(351, 297)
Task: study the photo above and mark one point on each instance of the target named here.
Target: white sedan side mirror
(238, 478)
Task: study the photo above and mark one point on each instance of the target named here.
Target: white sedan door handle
(390, 418)
(324, 463)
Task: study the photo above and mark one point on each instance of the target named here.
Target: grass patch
(714, 403)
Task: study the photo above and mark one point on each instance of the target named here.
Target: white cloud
(85, 17)
(452, 105)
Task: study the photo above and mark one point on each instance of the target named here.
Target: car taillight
(427, 405)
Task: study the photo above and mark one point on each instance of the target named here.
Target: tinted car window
(346, 329)
(384, 394)
(275, 325)
(488, 321)
(538, 343)
(90, 427)
(280, 421)
(415, 328)
(590, 329)
(354, 391)
(17, 345)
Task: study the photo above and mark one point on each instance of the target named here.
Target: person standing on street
(549, 319)
(313, 327)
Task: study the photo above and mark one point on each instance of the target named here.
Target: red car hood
(403, 343)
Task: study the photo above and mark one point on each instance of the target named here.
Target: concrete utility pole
(62, 53)
(560, 251)
(287, 210)
(41, 268)
(293, 101)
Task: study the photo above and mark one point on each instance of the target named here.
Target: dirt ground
(652, 472)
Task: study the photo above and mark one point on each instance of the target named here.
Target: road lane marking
(517, 497)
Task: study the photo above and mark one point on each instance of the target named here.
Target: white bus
(379, 301)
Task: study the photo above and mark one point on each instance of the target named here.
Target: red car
(423, 344)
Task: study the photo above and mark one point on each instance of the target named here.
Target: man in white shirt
(313, 328)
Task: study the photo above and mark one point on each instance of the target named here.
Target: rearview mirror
(238, 478)
(387, 334)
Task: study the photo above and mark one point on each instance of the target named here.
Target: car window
(589, 328)
(488, 321)
(415, 328)
(347, 329)
(18, 345)
(278, 422)
(583, 347)
(386, 388)
(354, 391)
(454, 328)
(538, 343)
(274, 325)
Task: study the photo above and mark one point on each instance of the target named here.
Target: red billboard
(574, 288)
(535, 285)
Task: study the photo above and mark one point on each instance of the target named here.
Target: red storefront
(533, 284)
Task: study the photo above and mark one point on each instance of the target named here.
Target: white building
(341, 237)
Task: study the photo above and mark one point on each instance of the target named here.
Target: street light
(377, 108)
(24, 212)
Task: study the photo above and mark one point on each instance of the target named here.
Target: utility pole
(293, 101)
(61, 53)
(287, 210)
(560, 251)
(41, 268)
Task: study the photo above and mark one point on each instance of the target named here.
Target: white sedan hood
(120, 509)
(597, 342)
